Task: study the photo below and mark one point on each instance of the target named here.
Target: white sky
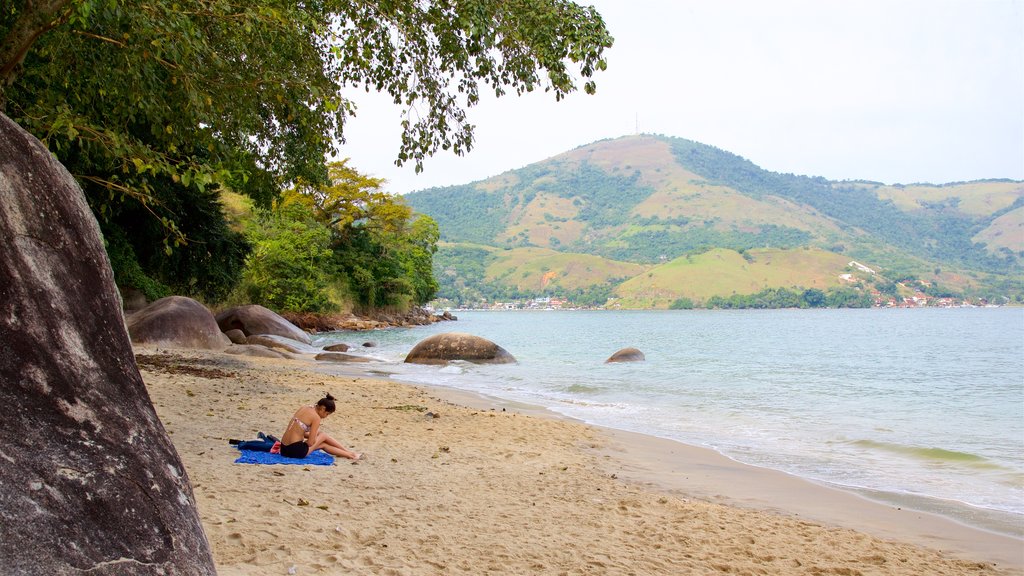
(897, 91)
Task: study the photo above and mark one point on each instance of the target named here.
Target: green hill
(650, 202)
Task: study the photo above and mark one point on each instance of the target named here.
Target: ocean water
(918, 408)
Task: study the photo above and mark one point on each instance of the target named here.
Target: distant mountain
(629, 219)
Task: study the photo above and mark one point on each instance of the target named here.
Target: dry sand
(481, 490)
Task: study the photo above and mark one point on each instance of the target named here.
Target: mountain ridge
(651, 199)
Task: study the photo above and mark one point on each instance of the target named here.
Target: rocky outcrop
(369, 321)
(626, 355)
(91, 482)
(177, 322)
(443, 348)
(255, 319)
(414, 317)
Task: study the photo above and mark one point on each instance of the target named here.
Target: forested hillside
(649, 200)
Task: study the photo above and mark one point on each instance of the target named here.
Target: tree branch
(36, 18)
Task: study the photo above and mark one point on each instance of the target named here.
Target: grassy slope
(547, 216)
(724, 272)
(1006, 231)
(973, 198)
(538, 269)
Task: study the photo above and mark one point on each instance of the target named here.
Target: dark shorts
(295, 450)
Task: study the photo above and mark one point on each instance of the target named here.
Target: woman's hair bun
(327, 402)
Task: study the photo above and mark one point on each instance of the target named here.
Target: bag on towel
(256, 445)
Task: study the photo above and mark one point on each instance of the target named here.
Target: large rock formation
(177, 322)
(443, 348)
(90, 481)
(255, 319)
(626, 355)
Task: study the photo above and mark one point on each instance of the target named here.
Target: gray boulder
(286, 344)
(91, 482)
(236, 336)
(443, 348)
(337, 348)
(340, 357)
(177, 322)
(626, 355)
(256, 351)
(255, 319)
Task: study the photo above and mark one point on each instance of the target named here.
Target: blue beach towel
(317, 458)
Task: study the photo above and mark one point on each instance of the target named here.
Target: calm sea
(920, 408)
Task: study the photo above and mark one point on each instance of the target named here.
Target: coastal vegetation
(162, 110)
(699, 223)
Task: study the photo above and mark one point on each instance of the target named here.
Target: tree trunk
(35, 18)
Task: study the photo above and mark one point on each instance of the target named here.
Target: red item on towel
(276, 448)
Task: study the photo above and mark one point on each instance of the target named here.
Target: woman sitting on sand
(303, 434)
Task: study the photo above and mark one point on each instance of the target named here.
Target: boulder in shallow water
(337, 348)
(177, 322)
(91, 484)
(255, 319)
(626, 355)
(443, 348)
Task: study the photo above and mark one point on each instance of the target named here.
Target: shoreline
(520, 490)
(702, 473)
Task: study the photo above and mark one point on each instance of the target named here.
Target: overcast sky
(897, 91)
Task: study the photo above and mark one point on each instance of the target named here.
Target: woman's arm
(314, 430)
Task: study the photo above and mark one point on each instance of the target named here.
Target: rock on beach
(177, 322)
(340, 357)
(255, 319)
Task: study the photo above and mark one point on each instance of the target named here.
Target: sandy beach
(457, 484)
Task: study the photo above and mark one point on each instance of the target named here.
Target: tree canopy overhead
(433, 57)
(205, 91)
